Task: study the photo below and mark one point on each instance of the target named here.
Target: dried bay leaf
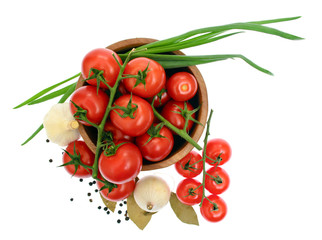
(184, 212)
(109, 204)
(140, 217)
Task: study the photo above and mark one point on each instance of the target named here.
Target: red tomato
(219, 182)
(164, 99)
(122, 88)
(123, 166)
(117, 194)
(218, 148)
(155, 77)
(143, 116)
(117, 133)
(86, 157)
(211, 212)
(182, 86)
(186, 167)
(101, 59)
(176, 119)
(95, 104)
(188, 193)
(157, 148)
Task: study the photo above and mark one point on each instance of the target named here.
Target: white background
(272, 123)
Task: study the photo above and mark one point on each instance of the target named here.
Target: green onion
(252, 26)
(46, 90)
(177, 61)
(53, 94)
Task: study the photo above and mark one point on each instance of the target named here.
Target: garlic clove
(151, 193)
(60, 125)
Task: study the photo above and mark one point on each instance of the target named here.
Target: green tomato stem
(180, 132)
(100, 127)
(204, 173)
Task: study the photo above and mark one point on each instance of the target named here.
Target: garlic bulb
(61, 127)
(151, 193)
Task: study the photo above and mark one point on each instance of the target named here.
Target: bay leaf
(140, 217)
(184, 213)
(109, 204)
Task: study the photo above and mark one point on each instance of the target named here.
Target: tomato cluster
(132, 133)
(190, 191)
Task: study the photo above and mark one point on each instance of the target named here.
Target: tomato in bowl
(181, 148)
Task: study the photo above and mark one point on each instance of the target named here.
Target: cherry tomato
(122, 88)
(95, 104)
(123, 166)
(211, 212)
(182, 86)
(117, 133)
(164, 99)
(86, 157)
(219, 182)
(170, 110)
(101, 59)
(117, 194)
(186, 167)
(157, 148)
(149, 69)
(143, 116)
(188, 191)
(219, 150)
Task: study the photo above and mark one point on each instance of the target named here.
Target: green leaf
(140, 217)
(46, 90)
(184, 213)
(109, 204)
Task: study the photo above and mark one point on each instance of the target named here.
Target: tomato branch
(204, 156)
(180, 132)
(100, 127)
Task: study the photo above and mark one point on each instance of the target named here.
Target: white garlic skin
(151, 193)
(60, 125)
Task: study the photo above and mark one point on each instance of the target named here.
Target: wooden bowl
(181, 148)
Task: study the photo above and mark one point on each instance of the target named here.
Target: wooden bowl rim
(202, 113)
